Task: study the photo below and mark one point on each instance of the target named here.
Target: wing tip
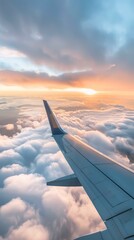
(45, 102)
(54, 124)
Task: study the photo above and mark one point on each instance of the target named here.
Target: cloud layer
(30, 158)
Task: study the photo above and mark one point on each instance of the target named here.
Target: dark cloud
(62, 34)
(2, 103)
(9, 115)
(43, 79)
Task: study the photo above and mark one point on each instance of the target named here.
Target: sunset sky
(79, 56)
(47, 45)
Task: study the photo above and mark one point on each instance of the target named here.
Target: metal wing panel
(108, 198)
(111, 192)
(116, 172)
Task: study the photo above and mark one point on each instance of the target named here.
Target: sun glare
(22, 90)
(87, 91)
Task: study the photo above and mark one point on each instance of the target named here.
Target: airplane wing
(109, 185)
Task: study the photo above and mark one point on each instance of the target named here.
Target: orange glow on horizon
(11, 81)
(16, 90)
(87, 91)
(22, 90)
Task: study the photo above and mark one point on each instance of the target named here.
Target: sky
(78, 55)
(48, 44)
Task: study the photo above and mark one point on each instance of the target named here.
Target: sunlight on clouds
(10, 53)
(9, 126)
(21, 89)
(86, 91)
(10, 88)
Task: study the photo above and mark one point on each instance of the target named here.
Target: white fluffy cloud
(67, 211)
(29, 230)
(19, 220)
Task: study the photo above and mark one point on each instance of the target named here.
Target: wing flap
(67, 181)
(94, 236)
(104, 235)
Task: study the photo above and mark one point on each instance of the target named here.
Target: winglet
(55, 126)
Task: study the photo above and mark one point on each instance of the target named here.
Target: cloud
(69, 218)
(43, 79)
(32, 187)
(18, 211)
(59, 34)
(20, 220)
(99, 141)
(28, 230)
(67, 35)
(6, 53)
(9, 126)
(62, 44)
(10, 170)
(86, 79)
(28, 152)
(9, 156)
(125, 148)
(31, 157)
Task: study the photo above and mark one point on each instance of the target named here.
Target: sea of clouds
(29, 158)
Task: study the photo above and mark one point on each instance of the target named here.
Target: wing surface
(109, 185)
